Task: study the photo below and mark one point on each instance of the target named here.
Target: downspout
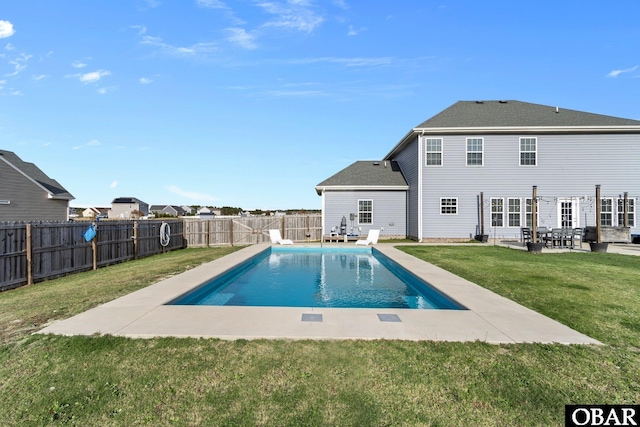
(322, 207)
(420, 169)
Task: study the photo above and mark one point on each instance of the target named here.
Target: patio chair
(526, 234)
(372, 238)
(277, 238)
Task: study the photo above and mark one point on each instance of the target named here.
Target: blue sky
(252, 103)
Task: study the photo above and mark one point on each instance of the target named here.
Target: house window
(528, 151)
(631, 210)
(474, 151)
(513, 206)
(449, 206)
(497, 212)
(365, 211)
(606, 212)
(433, 151)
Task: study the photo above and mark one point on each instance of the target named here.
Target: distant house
(472, 167)
(205, 212)
(94, 212)
(128, 208)
(188, 210)
(172, 210)
(28, 194)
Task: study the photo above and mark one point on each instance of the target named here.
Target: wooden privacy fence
(232, 231)
(35, 251)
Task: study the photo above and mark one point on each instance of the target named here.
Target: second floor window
(475, 151)
(433, 151)
(528, 148)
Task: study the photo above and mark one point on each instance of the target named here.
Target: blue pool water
(319, 277)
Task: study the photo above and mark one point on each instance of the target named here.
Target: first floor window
(365, 211)
(528, 212)
(514, 212)
(497, 212)
(448, 206)
(631, 210)
(433, 151)
(606, 212)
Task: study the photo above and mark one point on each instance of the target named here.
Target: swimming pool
(319, 277)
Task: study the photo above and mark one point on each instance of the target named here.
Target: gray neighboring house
(28, 194)
(122, 207)
(501, 149)
(172, 210)
(368, 194)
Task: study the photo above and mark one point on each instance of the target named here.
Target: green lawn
(103, 380)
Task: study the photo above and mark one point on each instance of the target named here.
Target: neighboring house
(127, 207)
(188, 210)
(172, 210)
(205, 212)
(28, 194)
(497, 151)
(94, 212)
(367, 194)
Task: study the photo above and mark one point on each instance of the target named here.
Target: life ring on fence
(165, 234)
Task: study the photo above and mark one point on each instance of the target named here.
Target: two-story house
(28, 194)
(128, 208)
(475, 164)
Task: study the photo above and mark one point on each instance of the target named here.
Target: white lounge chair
(372, 238)
(277, 238)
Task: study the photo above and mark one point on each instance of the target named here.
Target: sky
(252, 103)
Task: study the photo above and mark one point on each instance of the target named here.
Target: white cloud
(296, 15)
(20, 63)
(106, 89)
(9, 46)
(211, 4)
(349, 62)
(39, 77)
(93, 76)
(616, 73)
(193, 195)
(78, 64)
(145, 80)
(141, 29)
(114, 184)
(240, 37)
(353, 31)
(92, 143)
(198, 48)
(6, 29)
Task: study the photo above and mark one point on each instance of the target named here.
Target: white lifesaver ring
(165, 234)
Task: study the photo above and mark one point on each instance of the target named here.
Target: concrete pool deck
(489, 318)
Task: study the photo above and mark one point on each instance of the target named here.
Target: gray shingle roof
(367, 173)
(517, 114)
(32, 171)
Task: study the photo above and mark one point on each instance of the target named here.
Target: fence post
(207, 237)
(135, 239)
(231, 231)
(29, 257)
(94, 247)
(282, 227)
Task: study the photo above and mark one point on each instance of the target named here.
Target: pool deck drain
(489, 318)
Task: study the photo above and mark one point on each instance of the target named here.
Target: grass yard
(104, 380)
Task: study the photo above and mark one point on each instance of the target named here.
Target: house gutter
(321, 189)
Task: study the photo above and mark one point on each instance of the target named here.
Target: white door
(568, 213)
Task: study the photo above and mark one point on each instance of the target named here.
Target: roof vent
(479, 102)
(376, 163)
(557, 110)
(502, 102)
